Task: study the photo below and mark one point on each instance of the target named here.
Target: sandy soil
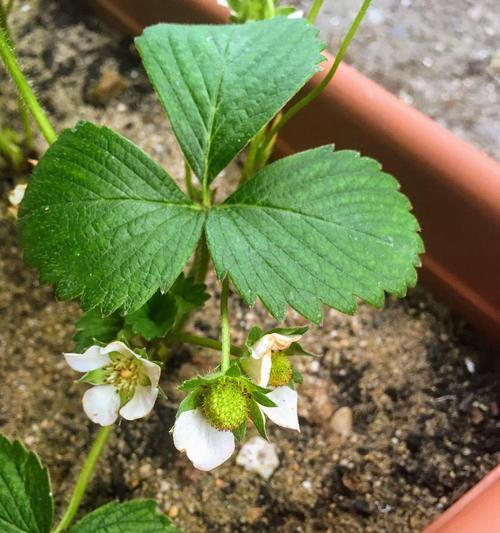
(426, 424)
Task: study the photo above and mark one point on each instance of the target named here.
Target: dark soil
(425, 416)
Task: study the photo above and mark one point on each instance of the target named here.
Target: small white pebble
(259, 456)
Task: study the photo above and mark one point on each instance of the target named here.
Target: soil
(423, 399)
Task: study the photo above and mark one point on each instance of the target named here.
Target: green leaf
(297, 330)
(234, 370)
(297, 376)
(253, 336)
(188, 294)
(220, 85)
(136, 516)
(296, 349)
(258, 419)
(102, 221)
(155, 317)
(25, 495)
(316, 227)
(91, 326)
(240, 432)
(189, 403)
(94, 377)
(262, 399)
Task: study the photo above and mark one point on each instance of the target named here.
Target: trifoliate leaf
(136, 516)
(92, 327)
(220, 85)
(26, 504)
(319, 227)
(188, 294)
(102, 221)
(155, 317)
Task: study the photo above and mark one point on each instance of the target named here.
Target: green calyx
(281, 370)
(225, 403)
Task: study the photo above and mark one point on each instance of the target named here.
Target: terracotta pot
(478, 511)
(454, 188)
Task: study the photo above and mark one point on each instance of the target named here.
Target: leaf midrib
(301, 214)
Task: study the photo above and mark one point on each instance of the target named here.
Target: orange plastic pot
(478, 511)
(454, 188)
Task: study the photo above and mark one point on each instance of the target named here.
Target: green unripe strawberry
(281, 370)
(225, 403)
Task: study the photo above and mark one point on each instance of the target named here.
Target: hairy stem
(23, 112)
(8, 57)
(205, 342)
(325, 81)
(313, 12)
(225, 329)
(84, 478)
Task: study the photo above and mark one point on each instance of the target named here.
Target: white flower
(297, 14)
(205, 446)
(16, 195)
(258, 365)
(285, 412)
(208, 447)
(128, 383)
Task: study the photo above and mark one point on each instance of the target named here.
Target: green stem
(270, 11)
(25, 121)
(200, 264)
(26, 92)
(84, 478)
(313, 12)
(205, 342)
(8, 6)
(325, 81)
(225, 330)
(188, 180)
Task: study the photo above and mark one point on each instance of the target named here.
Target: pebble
(259, 456)
(494, 66)
(341, 422)
(110, 85)
(173, 511)
(321, 408)
(145, 471)
(253, 514)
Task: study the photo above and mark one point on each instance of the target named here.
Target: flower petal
(282, 342)
(272, 342)
(258, 369)
(206, 446)
(285, 414)
(101, 404)
(89, 360)
(152, 370)
(141, 403)
(120, 347)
